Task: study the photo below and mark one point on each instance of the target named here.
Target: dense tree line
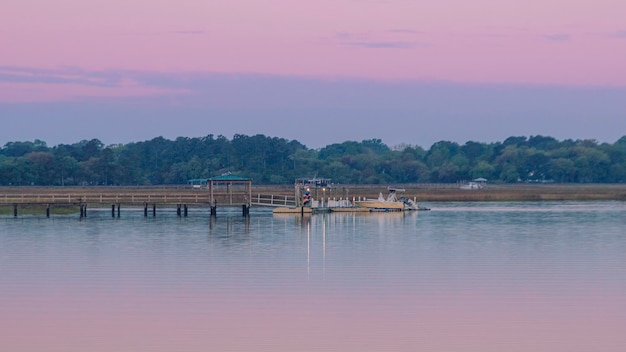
(271, 160)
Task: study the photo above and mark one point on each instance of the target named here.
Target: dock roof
(229, 177)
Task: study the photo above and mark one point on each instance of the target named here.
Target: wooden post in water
(153, 210)
(145, 210)
(178, 212)
(14, 210)
(119, 207)
(47, 210)
(112, 210)
(185, 208)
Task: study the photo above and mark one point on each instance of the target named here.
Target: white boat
(391, 203)
(470, 185)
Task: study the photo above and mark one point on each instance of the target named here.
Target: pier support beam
(112, 210)
(145, 210)
(185, 210)
(119, 207)
(14, 210)
(47, 210)
(83, 211)
(178, 210)
(153, 210)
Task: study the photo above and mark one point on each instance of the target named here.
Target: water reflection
(463, 277)
(230, 228)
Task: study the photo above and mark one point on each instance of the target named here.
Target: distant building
(198, 182)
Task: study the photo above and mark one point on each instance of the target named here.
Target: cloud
(382, 45)
(196, 32)
(151, 34)
(557, 37)
(405, 31)
(375, 40)
(618, 34)
(16, 74)
(219, 103)
(26, 84)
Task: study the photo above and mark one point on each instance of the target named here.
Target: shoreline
(422, 192)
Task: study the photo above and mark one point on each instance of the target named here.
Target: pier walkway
(140, 198)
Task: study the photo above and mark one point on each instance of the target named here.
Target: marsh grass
(422, 192)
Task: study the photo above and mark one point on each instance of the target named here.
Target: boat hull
(293, 210)
(381, 205)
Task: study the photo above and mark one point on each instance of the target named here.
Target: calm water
(462, 277)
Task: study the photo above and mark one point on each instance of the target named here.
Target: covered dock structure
(230, 190)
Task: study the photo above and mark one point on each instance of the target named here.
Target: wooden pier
(149, 200)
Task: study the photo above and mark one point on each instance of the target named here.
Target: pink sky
(564, 42)
(509, 67)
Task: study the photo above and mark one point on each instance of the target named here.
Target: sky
(405, 71)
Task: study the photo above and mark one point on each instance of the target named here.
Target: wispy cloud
(618, 34)
(196, 32)
(557, 37)
(26, 84)
(377, 40)
(151, 34)
(16, 74)
(346, 36)
(405, 31)
(382, 45)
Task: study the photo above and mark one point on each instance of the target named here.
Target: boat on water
(478, 183)
(391, 203)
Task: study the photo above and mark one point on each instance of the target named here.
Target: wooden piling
(119, 207)
(153, 210)
(112, 210)
(47, 210)
(14, 210)
(185, 209)
(145, 210)
(178, 210)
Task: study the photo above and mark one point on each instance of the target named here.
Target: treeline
(271, 160)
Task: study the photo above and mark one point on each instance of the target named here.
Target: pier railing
(104, 198)
(151, 198)
(274, 200)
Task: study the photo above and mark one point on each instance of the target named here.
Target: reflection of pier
(227, 226)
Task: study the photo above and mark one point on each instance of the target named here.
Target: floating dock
(307, 210)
